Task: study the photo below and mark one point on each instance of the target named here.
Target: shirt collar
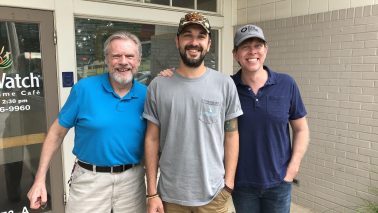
(108, 87)
(272, 77)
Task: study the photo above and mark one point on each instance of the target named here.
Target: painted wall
(249, 11)
(333, 56)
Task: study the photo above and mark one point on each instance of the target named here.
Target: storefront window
(158, 44)
(206, 5)
(183, 3)
(161, 2)
(22, 113)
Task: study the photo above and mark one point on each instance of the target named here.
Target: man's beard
(194, 63)
(122, 80)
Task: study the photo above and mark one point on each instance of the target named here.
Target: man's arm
(151, 152)
(231, 151)
(301, 138)
(37, 194)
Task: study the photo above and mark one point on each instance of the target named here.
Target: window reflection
(161, 2)
(22, 113)
(183, 3)
(158, 47)
(207, 5)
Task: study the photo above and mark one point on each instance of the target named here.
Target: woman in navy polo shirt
(271, 101)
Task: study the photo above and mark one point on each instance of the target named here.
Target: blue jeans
(272, 200)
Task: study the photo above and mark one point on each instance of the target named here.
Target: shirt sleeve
(150, 109)
(233, 107)
(297, 108)
(68, 115)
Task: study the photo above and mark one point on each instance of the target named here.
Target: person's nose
(195, 41)
(123, 60)
(252, 50)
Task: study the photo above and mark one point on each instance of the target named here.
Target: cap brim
(248, 37)
(191, 23)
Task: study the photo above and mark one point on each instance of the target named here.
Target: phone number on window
(15, 108)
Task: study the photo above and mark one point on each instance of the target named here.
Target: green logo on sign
(5, 60)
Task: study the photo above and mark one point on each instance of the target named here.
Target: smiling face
(123, 60)
(193, 44)
(251, 55)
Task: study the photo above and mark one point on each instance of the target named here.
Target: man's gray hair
(123, 35)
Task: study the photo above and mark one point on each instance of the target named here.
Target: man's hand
(37, 195)
(301, 138)
(155, 205)
(291, 173)
(167, 72)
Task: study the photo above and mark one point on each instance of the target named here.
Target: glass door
(28, 105)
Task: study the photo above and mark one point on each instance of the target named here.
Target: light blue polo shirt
(109, 130)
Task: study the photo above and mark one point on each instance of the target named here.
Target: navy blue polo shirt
(265, 145)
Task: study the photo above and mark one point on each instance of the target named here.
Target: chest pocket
(278, 107)
(210, 111)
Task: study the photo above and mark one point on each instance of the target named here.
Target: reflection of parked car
(144, 77)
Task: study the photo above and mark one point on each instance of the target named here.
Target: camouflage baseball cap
(194, 18)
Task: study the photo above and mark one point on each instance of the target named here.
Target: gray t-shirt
(191, 114)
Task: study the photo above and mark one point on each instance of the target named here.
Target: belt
(109, 169)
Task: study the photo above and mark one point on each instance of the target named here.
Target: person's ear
(177, 41)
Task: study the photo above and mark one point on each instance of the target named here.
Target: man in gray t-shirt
(192, 132)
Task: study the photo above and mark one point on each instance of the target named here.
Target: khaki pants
(102, 192)
(218, 205)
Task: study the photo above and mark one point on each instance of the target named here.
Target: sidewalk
(294, 208)
(299, 209)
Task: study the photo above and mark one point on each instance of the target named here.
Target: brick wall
(334, 58)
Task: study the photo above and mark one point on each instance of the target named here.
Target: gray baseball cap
(248, 31)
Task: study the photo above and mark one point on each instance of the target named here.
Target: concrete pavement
(293, 209)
